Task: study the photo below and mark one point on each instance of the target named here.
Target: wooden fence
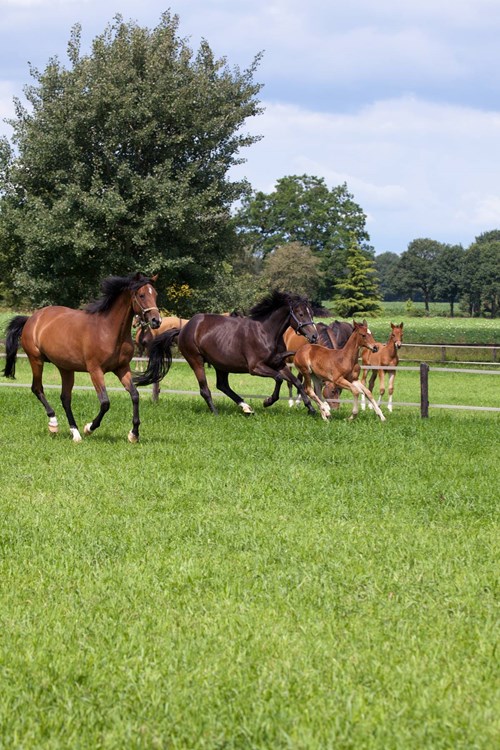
(424, 370)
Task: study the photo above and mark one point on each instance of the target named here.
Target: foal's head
(397, 335)
(364, 335)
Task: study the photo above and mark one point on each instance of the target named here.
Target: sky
(399, 100)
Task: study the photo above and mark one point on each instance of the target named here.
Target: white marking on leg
(389, 403)
(87, 430)
(363, 402)
(247, 409)
(53, 425)
(77, 438)
(132, 438)
(325, 410)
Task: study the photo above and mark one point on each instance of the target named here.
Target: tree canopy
(303, 209)
(122, 163)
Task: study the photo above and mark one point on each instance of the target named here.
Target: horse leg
(222, 383)
(97, 377)
(363, 380)
(356, 385)
(391, 389)
(197, 365)
(381, 390)
(68, 380)
(125, 377)
(264, 371)
(37, 389)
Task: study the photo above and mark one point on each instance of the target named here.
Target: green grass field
(232, 582)
(250, 582)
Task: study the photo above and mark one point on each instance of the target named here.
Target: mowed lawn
(262, 582)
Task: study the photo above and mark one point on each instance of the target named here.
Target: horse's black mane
(273, 301)
(112, 287)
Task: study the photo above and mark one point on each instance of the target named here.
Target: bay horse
(145, 333)
(236, 344)
(333, 336)
(387, 355)
(336, 367)
(96, 340)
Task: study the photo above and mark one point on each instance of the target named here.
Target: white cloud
(412, 165)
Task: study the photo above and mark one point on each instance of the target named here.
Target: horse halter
(300, 325)
(144, 310)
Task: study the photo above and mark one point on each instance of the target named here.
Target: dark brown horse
(336, 367)
(252, 344)
(96, 340)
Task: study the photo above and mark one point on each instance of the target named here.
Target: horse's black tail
(160, 358)
(13, 331)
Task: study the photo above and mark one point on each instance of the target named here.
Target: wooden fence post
(424, 389)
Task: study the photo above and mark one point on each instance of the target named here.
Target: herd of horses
(277, 333)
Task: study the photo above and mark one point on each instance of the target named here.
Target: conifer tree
(358, 294)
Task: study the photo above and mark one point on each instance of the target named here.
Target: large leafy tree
(386, 266)
(418, 268)
(481, 275)
(449, 274)
(122, 163)
(292, 268)
(303, 209)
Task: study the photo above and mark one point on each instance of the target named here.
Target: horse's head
(144, 304)
(365, 337)
(397, 335)
(301, 320)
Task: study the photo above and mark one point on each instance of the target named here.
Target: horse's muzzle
(155, 322)
(374, 349)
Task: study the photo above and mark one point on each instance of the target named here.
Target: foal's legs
(392, 375)
(125, 377)
(68, 380)
(37, 388)
(356, 387)
(222, 383)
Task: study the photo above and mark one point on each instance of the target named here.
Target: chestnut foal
(387, 355)
(336, 367)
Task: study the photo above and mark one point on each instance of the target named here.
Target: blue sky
(400, 100)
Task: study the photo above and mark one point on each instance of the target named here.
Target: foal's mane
(272, 302)
(112, 287)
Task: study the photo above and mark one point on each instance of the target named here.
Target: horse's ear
(393, 326)
(154, 278)
(365, 323)
(401, 325)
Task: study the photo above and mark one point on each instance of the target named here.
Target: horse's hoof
(77, 438)
(246, 408)
(87, 430)
(53, 426)
(268, 402)
(132, 437)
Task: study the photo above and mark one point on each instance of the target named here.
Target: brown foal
(336, 367)
(387, 355)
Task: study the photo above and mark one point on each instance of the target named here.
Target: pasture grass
(262, 582)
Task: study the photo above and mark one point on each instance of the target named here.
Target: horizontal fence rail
(424, 369)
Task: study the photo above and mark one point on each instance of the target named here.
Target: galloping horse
(95, 340)
(252, 344)
(387, 355)
(336, 367)
(333, 336)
